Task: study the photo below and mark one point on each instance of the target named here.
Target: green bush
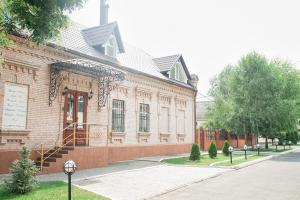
(212, 150)
(22, 179)
(195, 152)
(226, 148)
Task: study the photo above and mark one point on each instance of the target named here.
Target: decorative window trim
(143, 93)
(164, 137)
(144, 137)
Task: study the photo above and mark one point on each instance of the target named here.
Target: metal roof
(99, 35)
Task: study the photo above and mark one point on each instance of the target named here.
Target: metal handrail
(65, 142)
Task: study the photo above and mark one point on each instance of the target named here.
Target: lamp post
(69, 169)
(283, 145)
(230, 152)
(276, 142)
(245, 149)
(258, 148)
(290, 142)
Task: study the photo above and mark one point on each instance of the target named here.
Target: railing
(66, 141)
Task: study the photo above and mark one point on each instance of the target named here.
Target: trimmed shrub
(195, 152)
(22, 172)
(226, 148)
(212, 150)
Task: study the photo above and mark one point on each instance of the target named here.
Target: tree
(22, 174)
(212, 150)
(37, 20)
(226, 148)
(195, 152)
(257, 96)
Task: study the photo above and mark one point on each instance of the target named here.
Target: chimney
(104, 12)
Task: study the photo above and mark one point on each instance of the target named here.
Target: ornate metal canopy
(105, 75)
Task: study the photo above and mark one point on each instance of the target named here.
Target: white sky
(209, 33)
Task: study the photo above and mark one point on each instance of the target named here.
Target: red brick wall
(93, 157)
(204, 138)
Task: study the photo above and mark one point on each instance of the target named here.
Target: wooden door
(75, 112)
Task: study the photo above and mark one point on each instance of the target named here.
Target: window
(144, 125)
(15, 106)
(164, 120)
(111, 47)
(118, 116)
(178, 73)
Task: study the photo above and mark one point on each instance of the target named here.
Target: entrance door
(75, 111)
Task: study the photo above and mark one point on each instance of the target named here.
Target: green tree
(212, 150)
(23, 171)
(225, 149)
(195, 152)
(257, 96)
(37, 20)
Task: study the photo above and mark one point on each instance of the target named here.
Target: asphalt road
(275, 179)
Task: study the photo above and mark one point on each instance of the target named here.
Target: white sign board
(15, 106)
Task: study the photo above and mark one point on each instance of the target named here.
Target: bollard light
(284, 145)
(245, 149)
(69, 169)
(258, 148)
(230, 152)
(276, 141)
(290, 142)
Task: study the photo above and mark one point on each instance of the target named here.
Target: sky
(210, 34)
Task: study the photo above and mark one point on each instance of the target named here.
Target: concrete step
(56, 155)
(45, 164)
(50, 159)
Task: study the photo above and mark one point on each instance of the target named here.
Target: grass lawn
(236, 162)
(205, 160)
(52, 190)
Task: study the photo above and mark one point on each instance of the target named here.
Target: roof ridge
(104, 25)
(178, 55)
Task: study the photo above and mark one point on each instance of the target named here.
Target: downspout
(195, 122)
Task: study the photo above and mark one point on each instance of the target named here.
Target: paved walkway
(146, 182)
(276, 179)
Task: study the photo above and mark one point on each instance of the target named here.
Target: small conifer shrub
(195, 152)
(212, 150)
(226, 148)
(22, 179)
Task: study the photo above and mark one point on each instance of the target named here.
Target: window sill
(118, 133)
(11, 132)
(144, 133)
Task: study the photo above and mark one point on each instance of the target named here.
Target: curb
(247, 164)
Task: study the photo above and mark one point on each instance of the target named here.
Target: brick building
(89, 97)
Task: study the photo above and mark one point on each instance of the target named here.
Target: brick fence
(205, 137)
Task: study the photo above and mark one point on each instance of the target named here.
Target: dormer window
(178, 73)
(111, 48)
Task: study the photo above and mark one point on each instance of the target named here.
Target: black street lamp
(276, 141)
(258, 148)
(69, 169)
(230, 152)
(290, 142)
(245, 149)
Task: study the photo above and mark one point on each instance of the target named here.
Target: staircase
(52, 156)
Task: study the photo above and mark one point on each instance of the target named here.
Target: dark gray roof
(74, 39)
(202, 109)
(166, 63)
(98, 35)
